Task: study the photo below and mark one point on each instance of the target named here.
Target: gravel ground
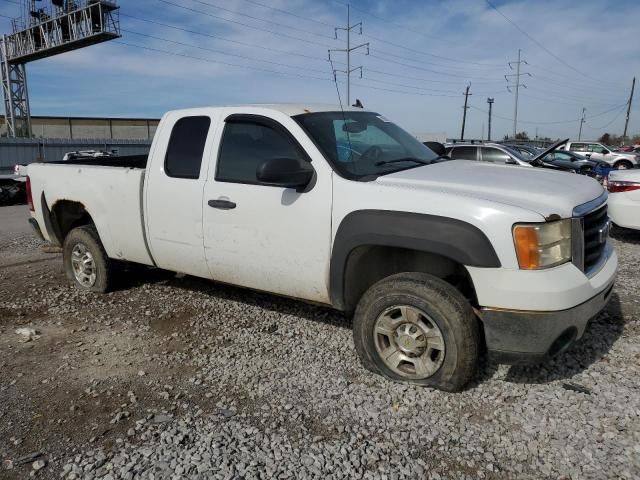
(173, 377)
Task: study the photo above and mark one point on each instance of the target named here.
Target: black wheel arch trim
(455, 239)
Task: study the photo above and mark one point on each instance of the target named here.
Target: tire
(623, 165)
(82, 247)
(428, 302)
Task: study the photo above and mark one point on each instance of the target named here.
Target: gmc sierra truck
(436, 260)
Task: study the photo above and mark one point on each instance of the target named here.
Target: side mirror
(511, 161)
(285, 172)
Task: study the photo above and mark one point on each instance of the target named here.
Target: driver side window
(247, 144)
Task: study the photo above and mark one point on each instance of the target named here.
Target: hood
(539, 190)
(548, 150)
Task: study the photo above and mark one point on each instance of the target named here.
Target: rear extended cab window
(186, 147)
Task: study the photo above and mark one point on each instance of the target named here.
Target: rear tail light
(617, 186)
(29, 196)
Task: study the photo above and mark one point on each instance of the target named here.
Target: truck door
(173, 201)
(267, 237)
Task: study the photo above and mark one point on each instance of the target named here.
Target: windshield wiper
(405, 159)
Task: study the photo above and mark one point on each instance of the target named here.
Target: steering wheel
(350, 151)
(373, 153)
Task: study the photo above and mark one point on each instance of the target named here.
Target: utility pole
(626, 123)
(348, 51)
(490, 101)
(464, 115)
(582, 120)
(517, 86)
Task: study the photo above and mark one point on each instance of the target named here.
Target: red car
(624, 148)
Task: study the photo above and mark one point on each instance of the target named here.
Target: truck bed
(108, 188)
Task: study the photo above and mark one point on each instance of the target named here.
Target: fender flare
(455, 239)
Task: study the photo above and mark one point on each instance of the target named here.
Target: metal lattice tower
(43, 32)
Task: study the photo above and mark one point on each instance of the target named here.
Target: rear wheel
(86, 263)
(623, 165)
(416, 328)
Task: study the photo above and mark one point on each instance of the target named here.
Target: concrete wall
(93, 128)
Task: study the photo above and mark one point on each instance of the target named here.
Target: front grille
(596, 232)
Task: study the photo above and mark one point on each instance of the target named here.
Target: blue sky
(422, 55)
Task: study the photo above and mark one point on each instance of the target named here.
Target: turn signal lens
(542, 245)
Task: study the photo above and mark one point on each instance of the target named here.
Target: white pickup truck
(597, 151)
(438, 260)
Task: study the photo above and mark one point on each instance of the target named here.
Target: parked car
(597, 151)
(486, 152)
(87, 154)
(597, 169)
(506, 154)
(439, 261)
(624, 148)
(624, 198)
(12, 188)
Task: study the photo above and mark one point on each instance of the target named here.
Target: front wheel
(416, 328)
(86, 263)
(623, 165)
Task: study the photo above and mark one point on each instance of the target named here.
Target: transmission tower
(348, 71)
(510, 79)
(43, 31)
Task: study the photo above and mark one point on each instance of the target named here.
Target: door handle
(222, 204)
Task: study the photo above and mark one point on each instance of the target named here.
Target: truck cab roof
(289, 109)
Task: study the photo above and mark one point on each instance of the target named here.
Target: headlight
(542, 245)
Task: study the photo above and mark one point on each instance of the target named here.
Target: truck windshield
(364, 144)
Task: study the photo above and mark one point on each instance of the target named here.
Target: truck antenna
(344, 118)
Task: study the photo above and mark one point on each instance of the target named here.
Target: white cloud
(591, 36)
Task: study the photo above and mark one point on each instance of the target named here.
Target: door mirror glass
(285, 172)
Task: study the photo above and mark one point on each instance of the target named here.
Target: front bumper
(527, 337)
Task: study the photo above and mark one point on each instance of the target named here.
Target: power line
(266, 30)
(608, 123)
(235, 12)
(415, 67)
(401, 85)
(549, 123)
(419, 52)
(300, 17)
(219, 62)
(202, 59)
(562, 95)
(399, 26)
(420, 61)
(190, 45)
(420, 94)
(557, 102)
(218, 37)
(596, 83)
(287, 52)
(514, 24)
